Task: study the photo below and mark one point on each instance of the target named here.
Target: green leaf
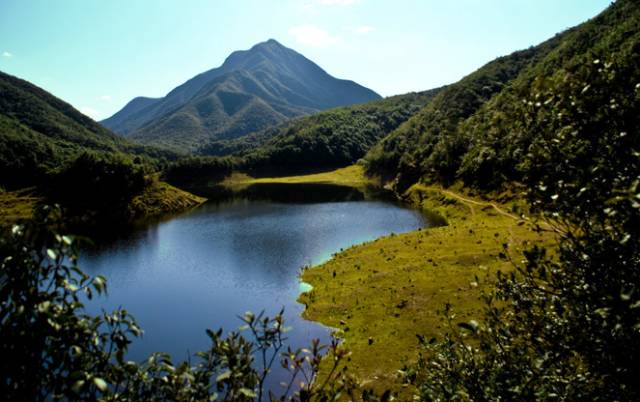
(100, 384)
(77, 386)
(76, 350)
(99, 283)
(249, 317)
(247, 392)
(44, 306)
(224, 376)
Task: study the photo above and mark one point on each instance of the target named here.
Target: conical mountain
(253, 89)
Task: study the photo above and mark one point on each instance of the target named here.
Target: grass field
(16, 206)
(380, 295)
(352, 176)
(159, 198)
(384, 293)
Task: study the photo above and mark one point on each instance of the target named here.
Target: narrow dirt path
(480, 203)
(499, 210)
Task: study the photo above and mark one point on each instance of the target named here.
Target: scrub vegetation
(51, 153)
(386, 295)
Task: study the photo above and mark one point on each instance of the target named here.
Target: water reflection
(241, 252)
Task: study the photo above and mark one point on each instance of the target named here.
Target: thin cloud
(7, 54)
(338, 2)
(106, 98)
(88, 111)
(314, 6)
(311, 35)
(364, 29)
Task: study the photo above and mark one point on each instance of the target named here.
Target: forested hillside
(472, 131)
(39, 132)
(526, 288)
(329, 139)
(67, 158)
(334, 138)
(561, 322)
(252, 90)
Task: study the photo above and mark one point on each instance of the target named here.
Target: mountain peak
(270, 49)
(252, 89)
(270, 42)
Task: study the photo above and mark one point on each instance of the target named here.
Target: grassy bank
(352, 176)
(158, 198)
(161, 198)
(16, 206)
(383, 293)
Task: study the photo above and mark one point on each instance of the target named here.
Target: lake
(204, 268)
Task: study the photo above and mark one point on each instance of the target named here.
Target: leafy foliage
(334, 138)
(429, 142)
(196, 168)
(53, 350)
(39, 132)
(564, 325)
(97, 187)
(471, 130)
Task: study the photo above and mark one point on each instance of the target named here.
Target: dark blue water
(204, 268)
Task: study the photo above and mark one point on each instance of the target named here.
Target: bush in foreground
(53, 350)
(565, 325)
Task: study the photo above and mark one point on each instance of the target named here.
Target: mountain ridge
(253, 89)
(468, 131)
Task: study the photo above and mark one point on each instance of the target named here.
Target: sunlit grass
(160, 198)
(16, 206)
(352, 176)
(383, 293)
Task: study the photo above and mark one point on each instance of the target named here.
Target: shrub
(99, 185)
(53, 350)
(565, 325)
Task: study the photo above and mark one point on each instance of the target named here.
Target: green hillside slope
(334, 138)
(467, 130)
(39, 131)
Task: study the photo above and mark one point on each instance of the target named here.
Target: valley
(474, 241)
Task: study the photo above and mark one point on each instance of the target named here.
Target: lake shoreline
(234, 255)
(159, 200)
(363, 292)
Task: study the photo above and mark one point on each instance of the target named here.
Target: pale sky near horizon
(98, 55)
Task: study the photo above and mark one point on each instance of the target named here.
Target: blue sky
(99, 54)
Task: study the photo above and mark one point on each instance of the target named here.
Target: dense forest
(62, 156)
(334, 138)
(472, 129)
(39, 132)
